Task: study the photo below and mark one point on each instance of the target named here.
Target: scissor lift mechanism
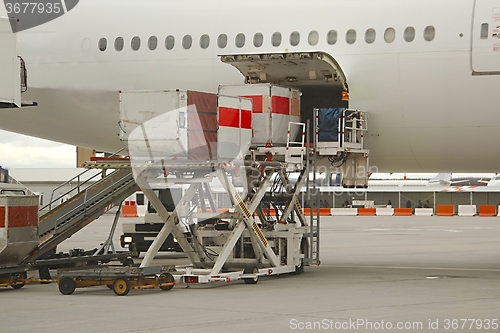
(223, 255)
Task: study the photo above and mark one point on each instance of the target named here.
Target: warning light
(345, 95)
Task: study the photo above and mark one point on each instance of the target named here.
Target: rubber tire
(22, 275)
(303, 249)
(121, 286)
(128, 262)
(251, 270)
(67, 286)
(166, 277)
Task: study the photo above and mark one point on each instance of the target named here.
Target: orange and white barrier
(424, 211)
(367, 211)
(487, 210)
(467, 210)
(344, 211)
(403, 212)
(385, 211)
(322, 211)
(445, 210)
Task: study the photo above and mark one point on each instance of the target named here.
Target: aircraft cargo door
(10, 77)
(486, 37)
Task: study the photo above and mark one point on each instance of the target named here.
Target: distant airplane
(442, 179)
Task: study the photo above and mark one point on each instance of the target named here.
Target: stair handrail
(52, 200)
(94, 197)
(77, 178)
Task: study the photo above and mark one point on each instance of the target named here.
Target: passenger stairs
(66, 219)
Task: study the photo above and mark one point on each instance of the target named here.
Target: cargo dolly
(117, 278)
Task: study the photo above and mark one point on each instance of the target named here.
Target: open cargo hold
(273, 108)
(184, 125)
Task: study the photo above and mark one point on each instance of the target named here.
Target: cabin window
(429, 33)
(119, 43)
(103, 44)
(294, 38)
(152, 43)
(169, 42)
(313, 38)
(370, 36)
(258, 39)
(240, 40)
(331, 37)
(485, 27)
(276, 39)
(187, 42)
(350, 36)
(222, 41)
(409, 34)
(135, 43)
(139, 198)
(389, 35)
(204, 41)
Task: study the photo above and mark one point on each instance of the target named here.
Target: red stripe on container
(281, 105)
(246, 119)
(229, 117)
(20, 216)
(257, 106)
(2, 217)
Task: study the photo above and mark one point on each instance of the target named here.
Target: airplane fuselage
(431, 91)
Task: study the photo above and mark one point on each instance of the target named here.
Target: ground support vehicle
(117, 278)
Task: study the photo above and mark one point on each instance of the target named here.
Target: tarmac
(377, 274)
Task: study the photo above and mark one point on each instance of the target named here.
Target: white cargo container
(184, 125)
(18, 227)
(273, 108)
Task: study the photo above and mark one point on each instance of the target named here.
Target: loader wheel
(121, 286)
(251, 270)
(128, 262)
(166, 278)
(67, 285)
(299, 269)
(16, 277)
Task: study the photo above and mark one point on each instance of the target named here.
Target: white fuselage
(427, 111)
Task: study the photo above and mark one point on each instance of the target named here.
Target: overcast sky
(21, 151)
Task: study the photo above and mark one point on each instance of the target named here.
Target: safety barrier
(367, 211)
(487, 210)
(467, 210)
(385, 211)
(322, 211)
(445, 210)
(424, 211)
(403, 212)
(344, 211)
(129, 209)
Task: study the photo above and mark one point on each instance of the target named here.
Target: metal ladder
(294, 153)
(312, 257)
